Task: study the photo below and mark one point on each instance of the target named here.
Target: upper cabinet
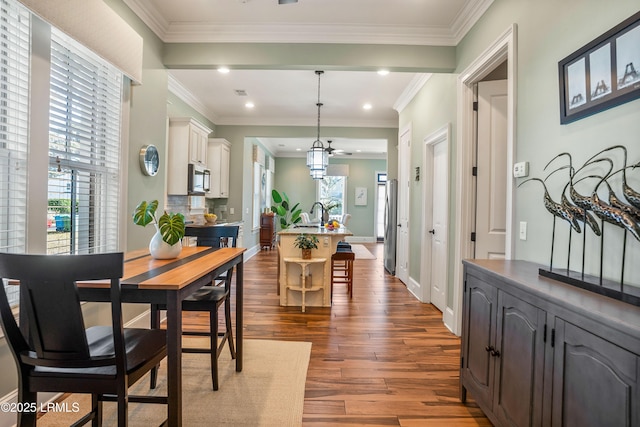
(187, 144)
(218, 161)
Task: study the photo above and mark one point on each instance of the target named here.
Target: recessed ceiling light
(298, 149)
(383, 72)
(367, 106)
(358, 151)
(223, 70)
(249, 105)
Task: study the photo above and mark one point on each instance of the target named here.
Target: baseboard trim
(449, 320)
(414, 287)
(251, 252)
(360, 239)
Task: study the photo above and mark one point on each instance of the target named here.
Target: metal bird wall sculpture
(555, 208)
(580, 214)
(632, 196)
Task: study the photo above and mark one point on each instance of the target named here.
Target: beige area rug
(361, 251)
(268, 392)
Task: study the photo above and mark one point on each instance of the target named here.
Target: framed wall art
(602, 74)
(361, 196)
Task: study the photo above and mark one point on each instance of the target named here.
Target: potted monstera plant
(166, 243)
(288, 214)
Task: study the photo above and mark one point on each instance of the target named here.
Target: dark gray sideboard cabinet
(536, 352)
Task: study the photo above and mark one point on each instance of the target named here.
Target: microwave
(199, 180)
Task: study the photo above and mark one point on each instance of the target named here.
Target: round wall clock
(149, 160)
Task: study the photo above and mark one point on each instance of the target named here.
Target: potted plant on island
(306, 242)
(166, 242)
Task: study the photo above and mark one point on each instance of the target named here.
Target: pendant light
(317, 157)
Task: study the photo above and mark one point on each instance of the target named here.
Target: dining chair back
(218, 236)
(53, 350)
(209, 299)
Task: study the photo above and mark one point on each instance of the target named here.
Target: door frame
(440, 136)
(402, 172)
(503, 48)
(376, 217)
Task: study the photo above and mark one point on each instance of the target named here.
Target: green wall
(292, 177)
(547, 31)
(240, 179)
(176, 107)
(431, 109)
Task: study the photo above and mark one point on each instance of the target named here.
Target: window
(332, 194)
(84, 150)
(14, 128)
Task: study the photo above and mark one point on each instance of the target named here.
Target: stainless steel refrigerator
(390, 225)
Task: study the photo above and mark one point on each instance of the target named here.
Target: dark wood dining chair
(53, 350)
(208, 299)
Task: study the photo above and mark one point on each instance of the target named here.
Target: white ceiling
(289, 97)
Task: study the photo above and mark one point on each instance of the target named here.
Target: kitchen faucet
(325, 212)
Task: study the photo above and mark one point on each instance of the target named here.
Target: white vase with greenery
(166, 243)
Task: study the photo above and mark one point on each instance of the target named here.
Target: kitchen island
(317, 277)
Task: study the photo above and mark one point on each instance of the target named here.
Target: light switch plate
(523, 230)
(521, 169)
(231, 211)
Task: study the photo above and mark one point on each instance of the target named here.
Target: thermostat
(521, 169)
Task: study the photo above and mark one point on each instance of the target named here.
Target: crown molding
(287, 121)
(190, 99)
(194, 32)
(150, 17)
(354, 156)
(411, 91)
(468, 17)
(187, 32)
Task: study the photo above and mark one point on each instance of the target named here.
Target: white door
(493, 173)
(402, 247)
(439, 230)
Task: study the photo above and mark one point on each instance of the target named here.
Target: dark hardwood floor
(380, 359)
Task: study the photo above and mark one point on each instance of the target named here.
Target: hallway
(381, 359)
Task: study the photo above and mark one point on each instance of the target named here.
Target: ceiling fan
(335, 151)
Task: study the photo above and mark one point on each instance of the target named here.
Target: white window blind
(84, 150)
(14, 120)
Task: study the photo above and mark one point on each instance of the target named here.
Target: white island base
(317, 280)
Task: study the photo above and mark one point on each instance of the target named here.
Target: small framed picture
(602, 74)
(361, 196)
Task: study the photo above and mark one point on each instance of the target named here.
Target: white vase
(159, 249)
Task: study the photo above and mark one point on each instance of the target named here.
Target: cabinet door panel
(224, 171)
(519, 373)
(595, 383)
(193, 145)
(480, 323)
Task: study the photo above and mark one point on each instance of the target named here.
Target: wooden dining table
(168, 282)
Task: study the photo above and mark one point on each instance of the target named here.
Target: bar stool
(342, 270)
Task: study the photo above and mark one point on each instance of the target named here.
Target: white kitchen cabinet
(188, 143)
(218, 154)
